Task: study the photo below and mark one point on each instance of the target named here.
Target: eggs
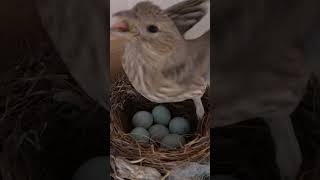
(95, 168)
(140, 135)
(159, 127)
(173, 141)
(158, 131)
(161, 115)
(142, 119)
(179, 125)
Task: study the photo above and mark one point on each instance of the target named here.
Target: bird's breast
(144, 71)
(157, 89)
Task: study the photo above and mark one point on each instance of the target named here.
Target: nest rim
(164, 160)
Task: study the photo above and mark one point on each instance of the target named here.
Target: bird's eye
(153, 28)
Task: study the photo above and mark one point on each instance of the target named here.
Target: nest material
(125, 101)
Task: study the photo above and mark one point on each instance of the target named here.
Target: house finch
(160, 64)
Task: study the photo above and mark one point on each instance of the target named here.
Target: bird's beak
(122, 27)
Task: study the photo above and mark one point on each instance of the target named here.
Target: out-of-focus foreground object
(94, 169)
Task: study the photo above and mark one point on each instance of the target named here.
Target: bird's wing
(186, 14)
(192, 64)
(69, 24)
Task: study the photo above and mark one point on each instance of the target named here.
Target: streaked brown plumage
(163, 66)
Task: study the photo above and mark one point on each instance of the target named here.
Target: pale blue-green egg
(96, 168)
(179, 125)
(142, 119)
(140, 135)
(158, 131)
(173, 141)
(161, 115)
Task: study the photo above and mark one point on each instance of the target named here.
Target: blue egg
(161, 115)
(142, 119)
(179, 125)
(158, 131)
(173, 141)
(140, 134)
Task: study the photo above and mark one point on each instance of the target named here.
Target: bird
(159, 62)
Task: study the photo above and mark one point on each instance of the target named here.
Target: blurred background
(48, 126)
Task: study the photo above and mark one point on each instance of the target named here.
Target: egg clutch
(157, 126)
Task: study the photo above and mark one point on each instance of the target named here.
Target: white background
(199, 29)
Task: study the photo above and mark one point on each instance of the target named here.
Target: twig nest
(193, 147)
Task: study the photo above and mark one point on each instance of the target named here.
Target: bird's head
(145, 22)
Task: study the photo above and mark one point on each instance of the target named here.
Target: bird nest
(125, 101)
